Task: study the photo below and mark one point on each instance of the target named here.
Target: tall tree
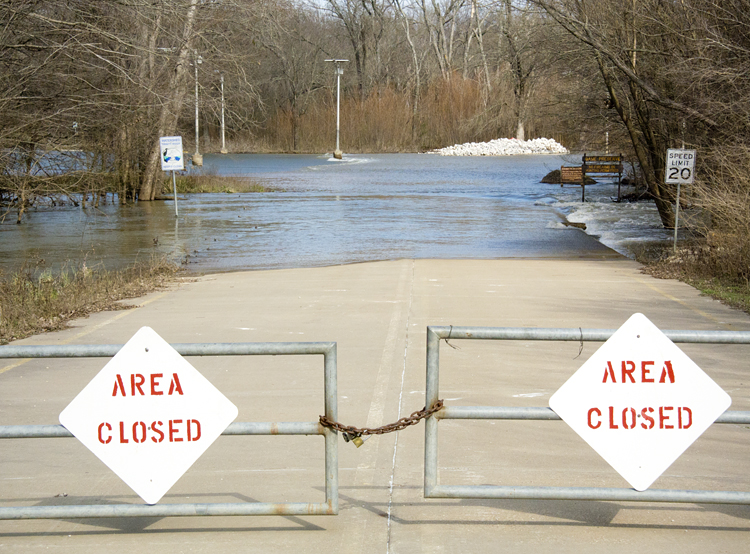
(172, 103)
(652, 57)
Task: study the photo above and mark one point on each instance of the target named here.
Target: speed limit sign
(680, 166)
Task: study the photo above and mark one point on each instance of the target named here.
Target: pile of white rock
(504, 147)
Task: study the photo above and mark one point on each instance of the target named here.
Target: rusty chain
(403, 423)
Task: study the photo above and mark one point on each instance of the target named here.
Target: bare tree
(172, 104)
(441, 21)
(636, 90)
(365, 24)
(289, 36)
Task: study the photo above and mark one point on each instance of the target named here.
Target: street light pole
(197, 158)
(223, 136)
(339, 72)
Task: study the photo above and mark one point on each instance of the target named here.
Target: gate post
(432, 391)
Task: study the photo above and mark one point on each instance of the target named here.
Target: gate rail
(434, 490)
(329, 507)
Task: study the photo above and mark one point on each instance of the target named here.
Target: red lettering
(631, 415)
(155, 427)
(118, 386)
(136, 384)
(101, 437)
(612, 424)
(140, 431)
(625, 418)
(647, 418)
(173, 431)
(135, 431)
(663, 418)
(645, 372)
(689, 414)
(628, 372)
(175, 385)
(123, 440)
(609, 372)
(591, 423)
(667, 371)
(155, 383)
(197, 435)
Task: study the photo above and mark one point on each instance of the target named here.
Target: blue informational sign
(170, 149)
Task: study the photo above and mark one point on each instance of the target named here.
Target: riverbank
(34, 300)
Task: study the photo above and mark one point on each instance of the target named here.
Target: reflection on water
(368, 207)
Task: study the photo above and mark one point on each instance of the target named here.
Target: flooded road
(323, 212)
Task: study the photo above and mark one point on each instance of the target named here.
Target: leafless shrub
(724, 193)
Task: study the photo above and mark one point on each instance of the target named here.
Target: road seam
(400, 400)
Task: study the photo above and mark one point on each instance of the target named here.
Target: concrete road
(378, 314)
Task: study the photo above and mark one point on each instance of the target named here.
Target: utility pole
(339, 72)
(223, 135)
(197, 158)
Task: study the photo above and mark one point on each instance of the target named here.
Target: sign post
(680, 169)
(172, 160)
(639, 402)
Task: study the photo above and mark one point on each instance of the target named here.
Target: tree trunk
(417, 83)
(171, 109)
(520, 135)
(645, 160)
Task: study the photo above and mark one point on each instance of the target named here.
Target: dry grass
(214, 183)
(449, 112)
(33, 302)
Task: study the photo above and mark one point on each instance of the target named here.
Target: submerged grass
(213, 183)
(33, 302)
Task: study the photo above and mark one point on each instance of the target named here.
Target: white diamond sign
(148, 415)
(639, 401)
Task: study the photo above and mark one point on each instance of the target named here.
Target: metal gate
(434, 490)
(329, 507)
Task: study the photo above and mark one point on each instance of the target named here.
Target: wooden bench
(609, 164)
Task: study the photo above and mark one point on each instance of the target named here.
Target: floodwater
(326, 212)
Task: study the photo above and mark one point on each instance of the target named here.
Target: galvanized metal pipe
(237, 428)
(166, 510)
(520, 333)
(588, 493)
(496, 412)
(34, 432)
(542, 413)
(433, 490)
(280, 428)
(330, 507)
(432, 392)
(197, 349)
(734, 417)
(568, 334)
(330, 380)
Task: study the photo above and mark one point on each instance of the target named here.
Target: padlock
(348, 436)
(359, 440)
